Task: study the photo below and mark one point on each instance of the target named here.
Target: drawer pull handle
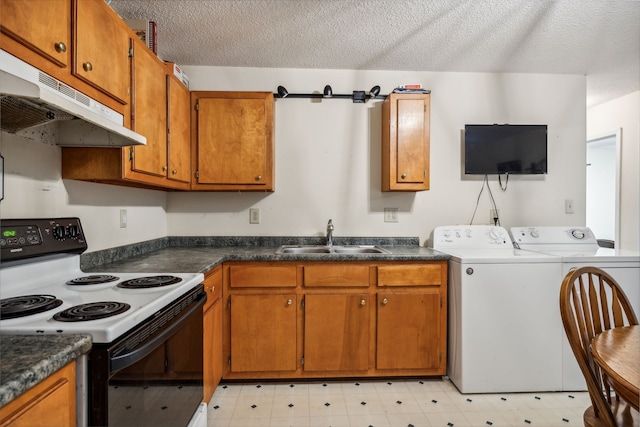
(289, 301)
(363, 302)
(259, 177)
(385, 301)
(87, 66)
(403, 176)
(60, 47)
(174, 171)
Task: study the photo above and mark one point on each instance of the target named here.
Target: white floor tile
(387, 403)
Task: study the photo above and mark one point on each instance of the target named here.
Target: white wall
(623, 113)
(328, 155)
(33, 188)
(328, 163)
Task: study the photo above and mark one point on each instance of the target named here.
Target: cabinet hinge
(197, 174)
(197, 106)
(440, 302)
(131, 154)
(229, 302)
(302, 304)
(130, 52)
(425, 108)
(229, 361)
(302, 360)
(425, 173)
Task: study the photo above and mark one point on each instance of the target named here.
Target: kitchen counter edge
(26, 360)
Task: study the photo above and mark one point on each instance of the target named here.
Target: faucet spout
(330, 233)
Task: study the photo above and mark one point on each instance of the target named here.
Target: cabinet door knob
(385, 301)
(164, 169)
(289, 301)
(403, 176)
(87, 66)
(363, 302)
(258, 178)
(174, 171)
(60, 47)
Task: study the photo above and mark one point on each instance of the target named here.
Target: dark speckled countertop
(26, 360)
(201, 254)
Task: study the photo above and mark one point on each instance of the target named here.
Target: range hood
(29, 97)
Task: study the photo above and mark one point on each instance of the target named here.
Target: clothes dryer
(504, 326)
(578, 247)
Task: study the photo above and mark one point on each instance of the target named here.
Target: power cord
(496, 219)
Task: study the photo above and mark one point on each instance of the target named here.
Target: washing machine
(578, 247)
(504, 326)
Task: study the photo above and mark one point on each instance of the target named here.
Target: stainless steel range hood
(29, 97)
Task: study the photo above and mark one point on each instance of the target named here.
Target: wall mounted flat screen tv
(505, 149)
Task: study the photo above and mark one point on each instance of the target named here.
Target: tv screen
(505, 149)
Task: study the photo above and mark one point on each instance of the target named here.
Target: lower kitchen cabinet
(212, 333)
(334, 319)
(50, 403)
(336, 333)
(408, 332)
(263, 330)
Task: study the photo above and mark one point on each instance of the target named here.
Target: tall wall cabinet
(405, 142)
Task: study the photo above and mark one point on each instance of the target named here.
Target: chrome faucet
(330, 233)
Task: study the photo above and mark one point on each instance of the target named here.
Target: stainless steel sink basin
(359, 250)
(321, 249)
(303, 249)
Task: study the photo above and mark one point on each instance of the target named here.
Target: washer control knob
(469, 271)
(534, 233)
(578, 234)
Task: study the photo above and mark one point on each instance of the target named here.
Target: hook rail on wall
(358, 96)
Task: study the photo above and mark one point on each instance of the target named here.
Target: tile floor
(392, 403)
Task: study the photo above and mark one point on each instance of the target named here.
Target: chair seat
(625, 415)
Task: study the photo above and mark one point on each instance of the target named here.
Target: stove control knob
(73, 231)
(59, 232)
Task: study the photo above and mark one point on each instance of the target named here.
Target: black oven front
(152, 375)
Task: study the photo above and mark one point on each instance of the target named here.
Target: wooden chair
(591, 301)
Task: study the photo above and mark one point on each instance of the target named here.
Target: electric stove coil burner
(26, 305)
(93, 280)
(91, 311)
(149, 282)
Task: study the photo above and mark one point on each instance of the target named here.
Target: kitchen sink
(338, 249)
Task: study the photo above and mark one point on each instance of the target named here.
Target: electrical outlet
(568, 206)
(494, 213)
(254, 216)
(123, 218)
(390, 214)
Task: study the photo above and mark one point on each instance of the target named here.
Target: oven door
(153, 373)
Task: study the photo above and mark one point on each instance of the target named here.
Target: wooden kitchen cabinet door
(233, 141)
(410, 331)
(102, 42)
(149, 113)
(405, 142)
(336, 332)
(51, 402)
(178, 130)
(212, 333)
(44, 26)
(263, 332)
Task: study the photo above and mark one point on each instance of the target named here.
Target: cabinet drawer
(268, 276)
(346, 274)
(213, 287)
(411, 275)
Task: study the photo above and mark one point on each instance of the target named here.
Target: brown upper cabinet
(63, 37)
(44, 26)
(405, 142)
(101, 49)
(232, 141)
(158, 108)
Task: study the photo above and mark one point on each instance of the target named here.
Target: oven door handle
(127, 359)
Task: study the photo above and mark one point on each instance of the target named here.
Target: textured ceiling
(599, 39)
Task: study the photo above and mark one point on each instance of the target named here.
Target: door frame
(617, 134)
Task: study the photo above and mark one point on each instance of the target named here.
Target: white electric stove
(131, 317)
